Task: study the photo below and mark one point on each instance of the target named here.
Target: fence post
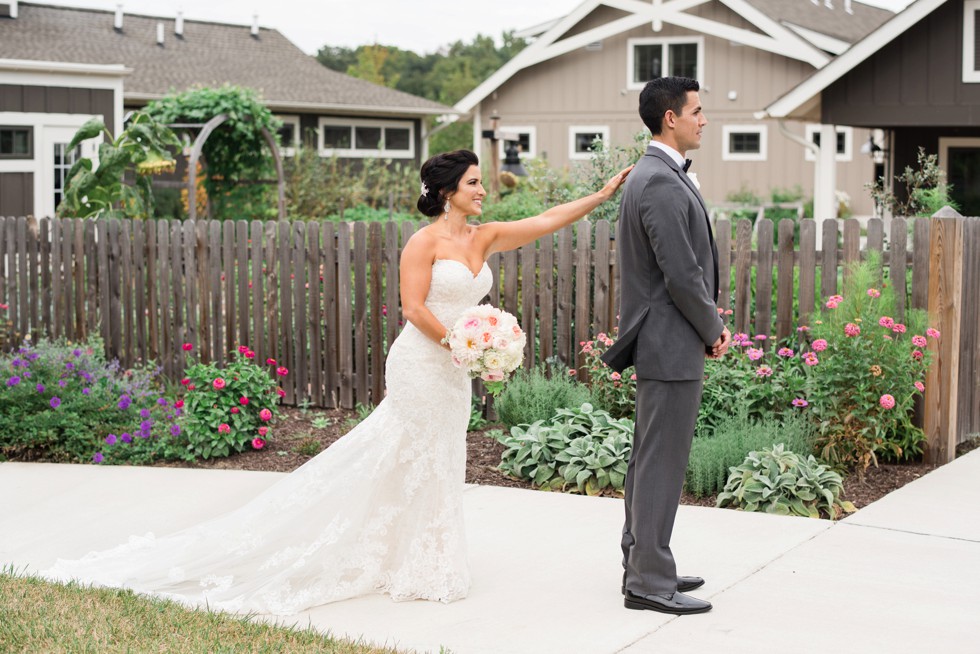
(945, 297)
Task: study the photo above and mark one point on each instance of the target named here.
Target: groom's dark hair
(662, 94)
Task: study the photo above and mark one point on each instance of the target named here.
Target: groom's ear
(669, 119)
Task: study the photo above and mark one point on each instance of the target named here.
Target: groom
(668, 324)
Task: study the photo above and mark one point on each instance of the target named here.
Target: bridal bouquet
(488, 343)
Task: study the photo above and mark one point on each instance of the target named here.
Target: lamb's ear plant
(782, 482)
(583, 449)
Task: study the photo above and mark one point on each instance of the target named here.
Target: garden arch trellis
(198, 148)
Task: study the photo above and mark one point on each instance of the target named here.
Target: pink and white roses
(488, 343)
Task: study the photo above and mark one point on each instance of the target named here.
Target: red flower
(234, 409)
(258, 443)
(242, 349)
(250, 354)
(243, 400)
(218, 384)
(179, 404)
(263, 431)
(270, 362)
(281, 392)
(282, 371)
(185, 381)
(188, 347)
(191, 387)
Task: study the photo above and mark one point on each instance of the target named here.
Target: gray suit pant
(666, 412)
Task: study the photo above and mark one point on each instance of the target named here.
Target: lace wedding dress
(378, 511)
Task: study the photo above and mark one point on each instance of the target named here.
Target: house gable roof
(833, 21)
(208, 54)
(803, 96)
(772, 36)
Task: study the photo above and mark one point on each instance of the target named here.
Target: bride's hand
(613, 184)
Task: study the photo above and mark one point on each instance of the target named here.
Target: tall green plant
(531, 395)
(925, 189)
(141, 149)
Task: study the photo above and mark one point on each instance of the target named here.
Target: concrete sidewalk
(902, 575)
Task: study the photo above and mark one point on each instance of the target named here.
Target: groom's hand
(720, 347)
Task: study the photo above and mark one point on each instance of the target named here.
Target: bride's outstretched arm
(415, 276)
(509, 236)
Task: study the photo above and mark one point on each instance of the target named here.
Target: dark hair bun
(440, 177)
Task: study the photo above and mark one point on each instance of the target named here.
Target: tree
(370, 66)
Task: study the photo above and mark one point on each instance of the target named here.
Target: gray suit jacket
(669, 274)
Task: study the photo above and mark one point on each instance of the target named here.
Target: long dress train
(378, 511)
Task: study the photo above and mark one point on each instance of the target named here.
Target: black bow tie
(687, 164)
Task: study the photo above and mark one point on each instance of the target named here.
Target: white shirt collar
(674, 154)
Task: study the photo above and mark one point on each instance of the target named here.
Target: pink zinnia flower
(243, 400)
(819, 345)
(188, 347)
(265, 415)
(191, 387)
(185, 381)
(761, 337)
(800, 402)
(615, 376)
(249, 354)
(572, 371)
(270, 362)
(282, 371)
(785, 352)
(919, 386)
(258, 443)
(874, 292)
(886, 322)
(802, 328)
(218, 383)
(234, 409)
(831, 304)
(919, 341)
(280, 392)
(898, 328)
(886, 401)
(763, 371)
(932, 333)
(224, 428)
(263, 431)
(179, 404)
(850, 329)
(754, 353)
(633, 377)
(917, 355)
(242, 349)
(810, 359)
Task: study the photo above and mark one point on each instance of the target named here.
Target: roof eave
(62, 67)
(289, 105)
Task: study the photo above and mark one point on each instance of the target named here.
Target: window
(363, 137)
(845, 137)
(16, 142)
(64, 159)
(526, 141)
(288, 135)
(581, 140)
(971, 45)
(650, 58)
(744, 142)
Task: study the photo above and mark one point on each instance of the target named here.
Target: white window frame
(664, 41)
(971, 72)
(848, 132)
(532, 139)
(363, 153)
(575, 130)
(761, 130)
(289, 150)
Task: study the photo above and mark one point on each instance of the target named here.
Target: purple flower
(27, 374)
(33, 356)
(126, 438)
(110, 439)
(77, 353)
(62, 383)
(40, 388)
(87, 377)
(124, 402)
(162, 401)
(86, 391)
(69, 365)
(55, 402)
(98, 458)
(175, 430)
(13, 381)
(16, 363)
(144, 413)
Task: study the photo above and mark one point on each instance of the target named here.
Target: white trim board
(971, 67)
(805, 92)
(775, 37)
(574, 130)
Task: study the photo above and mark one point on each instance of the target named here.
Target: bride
(380, 510)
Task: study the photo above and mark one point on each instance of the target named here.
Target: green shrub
(364, 213)
(712, 454)
(518, 204)
(531, 396)
(584, 450)
(227, 410)
(780, 481)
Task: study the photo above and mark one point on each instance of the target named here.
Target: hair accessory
(425, 189)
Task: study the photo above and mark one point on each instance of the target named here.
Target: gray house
(581, 78)
(917, 79)
(61, 66)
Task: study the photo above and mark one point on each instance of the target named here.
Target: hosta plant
(780, 481)
(583, 450)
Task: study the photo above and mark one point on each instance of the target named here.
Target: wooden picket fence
(322, 298)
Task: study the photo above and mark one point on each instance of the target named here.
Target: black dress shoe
(675, 603)
(684, 584)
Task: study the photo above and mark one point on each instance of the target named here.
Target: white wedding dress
(378, 511)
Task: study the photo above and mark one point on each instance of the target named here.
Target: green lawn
(37, 616)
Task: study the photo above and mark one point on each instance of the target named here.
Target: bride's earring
(446, 209)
